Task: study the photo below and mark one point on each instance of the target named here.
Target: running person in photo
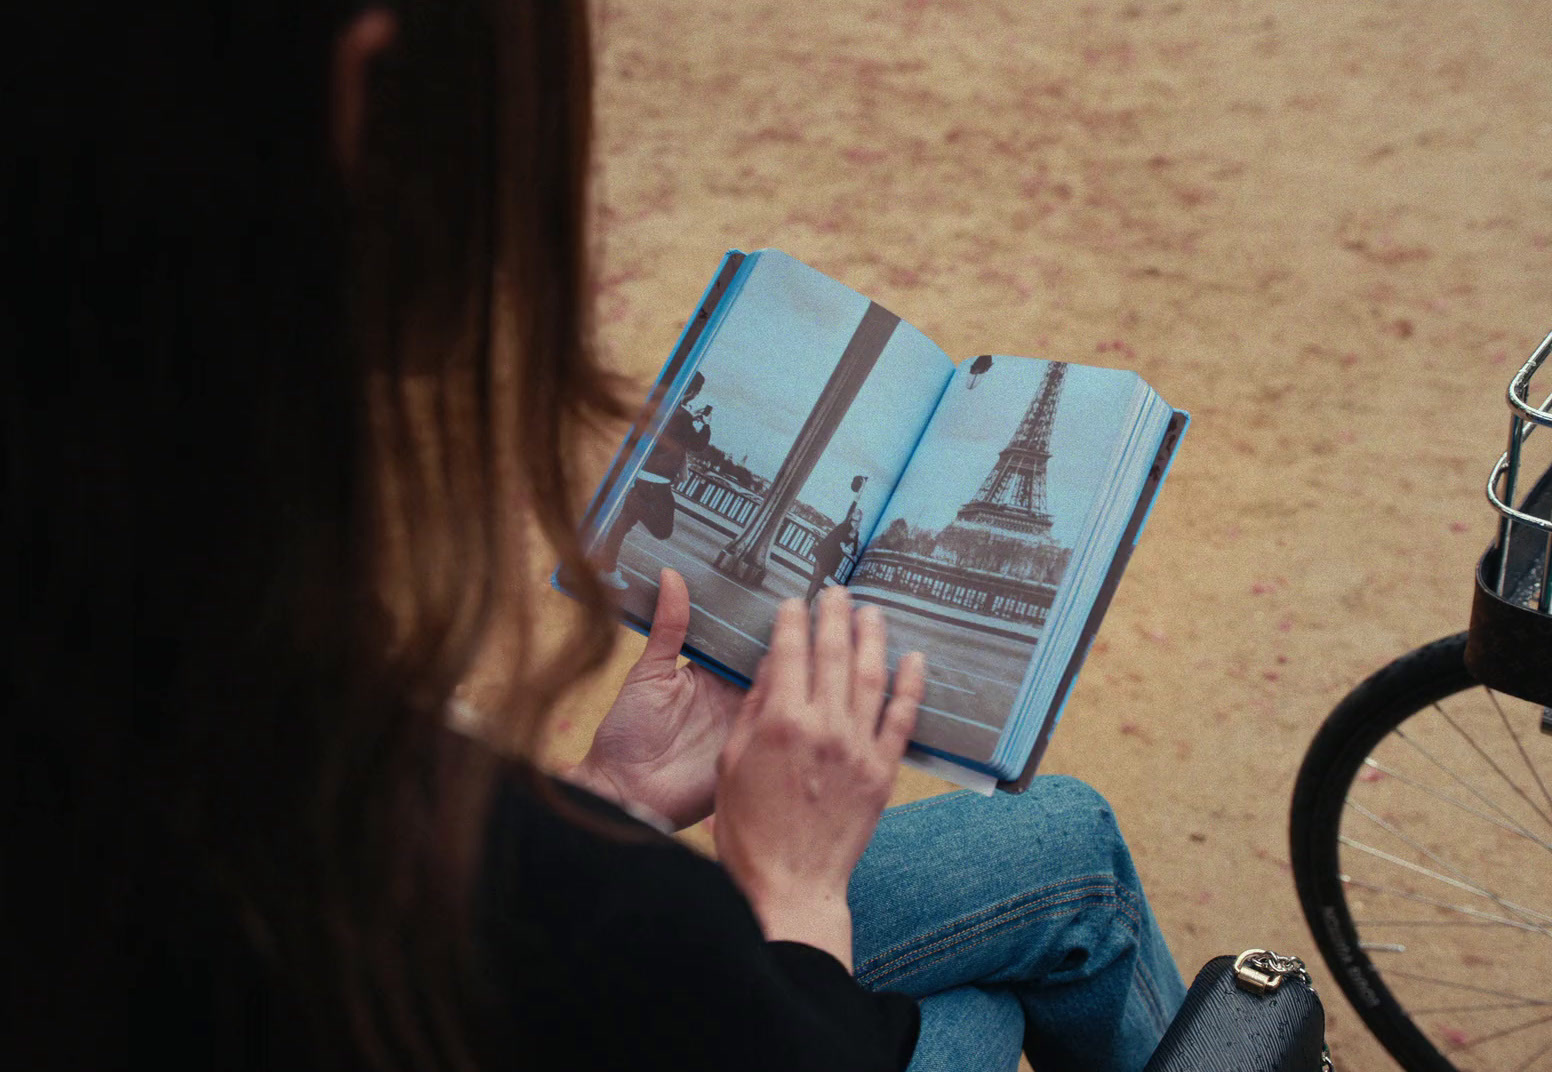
(650, 499)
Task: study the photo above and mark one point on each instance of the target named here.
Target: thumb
(670, 623)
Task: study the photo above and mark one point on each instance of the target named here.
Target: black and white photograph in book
(972, 551)
(776, 460)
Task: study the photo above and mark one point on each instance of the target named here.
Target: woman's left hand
(658, 745)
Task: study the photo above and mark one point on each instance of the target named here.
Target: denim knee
(1080, 819)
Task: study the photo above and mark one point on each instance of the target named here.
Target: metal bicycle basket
(1510, 644)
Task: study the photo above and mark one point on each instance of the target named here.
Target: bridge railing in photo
(718, 495)
(797, 537)
(1026, 602)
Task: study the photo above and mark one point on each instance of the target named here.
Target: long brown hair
(280, 451)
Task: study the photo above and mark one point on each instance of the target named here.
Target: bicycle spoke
(1463, 783)
(1509, 1031)
(1534, 1058)
(1447, 880)
(1494, 764)
(1431, 791)
(1519, 745)
(1453, 985)
(1489, 894)
(1427, 923)
(1465, 910)
(1478, 1008)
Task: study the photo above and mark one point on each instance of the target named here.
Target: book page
(773, 468)
(973, 548)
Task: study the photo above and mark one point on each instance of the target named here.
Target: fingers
(754, 699)
(833, 653)
(748, 711)
(842, 677)
(670, 622)
(788, 658)
(870, 670)
(899, 720)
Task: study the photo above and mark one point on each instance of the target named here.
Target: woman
(299, 370)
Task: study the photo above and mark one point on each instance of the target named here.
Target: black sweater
(636, 952)
(599, 953)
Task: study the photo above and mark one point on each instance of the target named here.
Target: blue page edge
(1081, 653)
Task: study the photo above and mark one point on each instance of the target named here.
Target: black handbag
(1256, 1012)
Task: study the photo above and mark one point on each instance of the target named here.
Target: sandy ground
(1325, 228)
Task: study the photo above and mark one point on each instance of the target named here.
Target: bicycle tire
(1412, 685)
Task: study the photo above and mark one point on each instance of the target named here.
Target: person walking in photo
(831, 550)
(650, 499)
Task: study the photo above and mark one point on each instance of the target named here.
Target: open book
(801, 436)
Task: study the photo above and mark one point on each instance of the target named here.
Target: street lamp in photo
(978, 368)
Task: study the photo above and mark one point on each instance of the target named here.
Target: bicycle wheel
(1421, 840)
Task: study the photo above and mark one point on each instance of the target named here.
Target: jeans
(1017, 922)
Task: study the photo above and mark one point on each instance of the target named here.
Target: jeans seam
(981, 919)
(1014, 922)
(1146, 987)
(956, 943)
(979, 913)
(1149, 989)
(1149, 992)
(1151, 996)
(1106, 892)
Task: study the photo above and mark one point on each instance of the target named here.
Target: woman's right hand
(809, 765)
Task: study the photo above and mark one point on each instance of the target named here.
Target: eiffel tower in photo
(1012, 497)
(997, 558)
